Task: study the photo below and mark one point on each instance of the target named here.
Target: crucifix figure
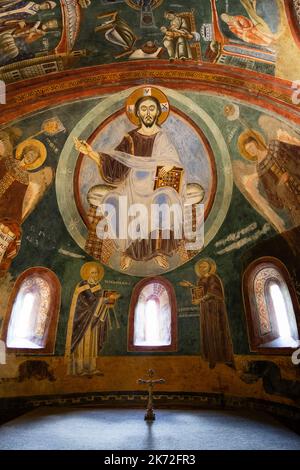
(150, 415)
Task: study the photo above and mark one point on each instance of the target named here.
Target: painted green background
(44, 234)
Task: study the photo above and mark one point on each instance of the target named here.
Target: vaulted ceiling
(64, 49)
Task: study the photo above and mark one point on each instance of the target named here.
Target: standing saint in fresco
(145, 168)
(89, 321)
(216, 344)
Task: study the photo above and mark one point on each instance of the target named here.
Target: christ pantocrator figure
(131, 170)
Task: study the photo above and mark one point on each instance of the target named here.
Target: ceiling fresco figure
(254, 35)
(14, 34)
(181, 38)
(245, 30)
(257, 32)
(169, 162)
(177, 36)
(29, 31)
(251, 8)
(11, 10)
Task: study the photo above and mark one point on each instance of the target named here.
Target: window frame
(133, 302)
(256, 343)
(52, 323)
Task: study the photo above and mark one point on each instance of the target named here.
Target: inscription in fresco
(244, 241)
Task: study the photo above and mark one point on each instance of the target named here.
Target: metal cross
(150, 415)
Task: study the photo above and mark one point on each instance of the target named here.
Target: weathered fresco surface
(64, 34)
(227, 131)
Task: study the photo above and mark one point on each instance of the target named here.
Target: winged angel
(269, 175)
(21, 189)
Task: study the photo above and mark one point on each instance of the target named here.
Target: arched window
(271, 306)
(32, 314)
(152, 317)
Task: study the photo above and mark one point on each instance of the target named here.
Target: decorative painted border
(33, 95)
(131, 399)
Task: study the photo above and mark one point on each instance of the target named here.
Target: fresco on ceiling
(28, 29)
(254, 34)
(176, 38)
(208, 294)
(137, 155)
(262, 25)
(92, 315)
(63, 34)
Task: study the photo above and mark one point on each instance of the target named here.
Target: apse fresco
(125, 104)
(47, 37)
(226, 155)
(29, 30)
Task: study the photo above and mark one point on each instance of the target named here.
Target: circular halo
(244, 137)
(37, 145)
(85, 269)
(212, 266)
(147, 92)
(134, 5)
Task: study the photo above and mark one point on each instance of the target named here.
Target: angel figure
(21, 189)
(270, 179)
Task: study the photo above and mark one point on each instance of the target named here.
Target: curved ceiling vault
(54, 52)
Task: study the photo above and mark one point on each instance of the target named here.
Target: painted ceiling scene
(150, 198)
(44, 37)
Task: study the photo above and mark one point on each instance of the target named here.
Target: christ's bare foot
(162, 261)
(125, 262)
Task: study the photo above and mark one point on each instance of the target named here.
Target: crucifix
(150, 415)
